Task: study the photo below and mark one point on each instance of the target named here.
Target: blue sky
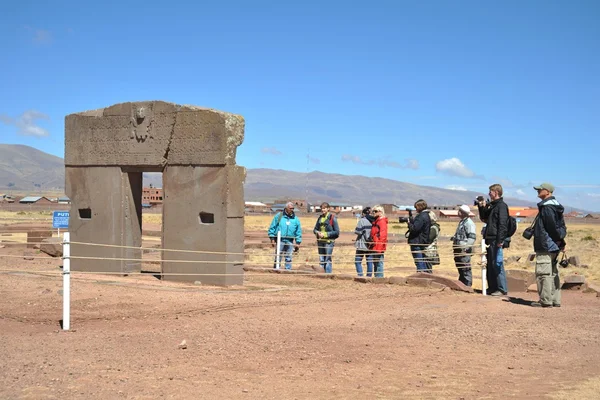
(454, 94)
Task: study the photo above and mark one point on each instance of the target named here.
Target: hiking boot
(555, 305)
(538, 304)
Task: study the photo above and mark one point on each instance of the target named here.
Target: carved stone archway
(106, 152)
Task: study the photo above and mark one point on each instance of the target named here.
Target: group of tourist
(548, 230)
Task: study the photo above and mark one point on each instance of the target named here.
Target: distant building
(299, 204)
(152, 196)
(35, 200)
(6, 198)
(255, 206)
(523, 213)
(593, 216)
(452, 214)
(64, 200)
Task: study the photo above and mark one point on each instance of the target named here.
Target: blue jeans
(495, 274)
(378, 263)
(325, 251)
(421, 260)
(358, 262)
(285, 250)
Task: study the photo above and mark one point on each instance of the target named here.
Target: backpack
(434, 232)
(511, 226)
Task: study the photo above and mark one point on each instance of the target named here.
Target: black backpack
(511, 227)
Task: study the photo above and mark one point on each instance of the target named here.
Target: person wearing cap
(549, 232)
(379, 239)
(463, 241)
(363, 231)
(495, 215)
(289, 225)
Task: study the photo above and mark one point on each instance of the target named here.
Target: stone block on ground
(451, 283)
(421, 282)
(574, 261)
(28, 255)
(513, 259)
(527, 276)
(397, 280)
(532, 288)
(574, 282)
(344, 277)
(324, 276)
(363, 279)
(52, 246)
(592, 288)
(574, 278)
(381, 280)
(516, 284)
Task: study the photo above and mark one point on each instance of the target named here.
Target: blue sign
(60, 220)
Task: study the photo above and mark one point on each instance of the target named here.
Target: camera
(564, 263)
(403, 220)
(528, 233)
(478, 200)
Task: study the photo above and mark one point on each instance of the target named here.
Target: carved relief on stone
(141, 125)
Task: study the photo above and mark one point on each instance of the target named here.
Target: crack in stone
(166, 155)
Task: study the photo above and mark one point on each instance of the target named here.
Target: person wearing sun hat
(462, 244)
(549, 232)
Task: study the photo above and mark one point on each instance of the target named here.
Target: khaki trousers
(548, 281)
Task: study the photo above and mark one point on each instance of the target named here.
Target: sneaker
(538, 304)
(497, 293)
(555, 305)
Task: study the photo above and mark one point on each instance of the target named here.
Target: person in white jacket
(463, 241)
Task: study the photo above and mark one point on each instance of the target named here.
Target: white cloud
(457, 187)
(520, 192)
(26, 123)
(593, 194)
(270, 150)
(40, 36)
(455, 167)
(381, 162)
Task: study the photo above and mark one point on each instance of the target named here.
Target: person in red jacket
(379, 239)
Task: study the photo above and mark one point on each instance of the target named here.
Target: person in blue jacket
(288, 224)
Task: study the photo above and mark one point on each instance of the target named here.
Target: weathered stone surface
(344, 277)
(592, 288)
(381, 280)
(52, 246)
(397, 280)
(513, 259)
(363, 279)
(574, 286)
(451, 283)
(28, 255)
(516, 284)
(325, 276)
(34, 237)
(421, 282)
(574, 261)
(107, 150)
(527, 276)
(532, 288)
(152, 133)
(574, 279)
(531, 257)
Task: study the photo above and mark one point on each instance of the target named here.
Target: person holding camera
(326, 231)
(289, 225)
(549, 232)
(495, 215)
(418, 236)
(363, 233)
(463, 241)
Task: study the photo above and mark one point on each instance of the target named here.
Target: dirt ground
(284, 337)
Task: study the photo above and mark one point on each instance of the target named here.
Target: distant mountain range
(25, 168)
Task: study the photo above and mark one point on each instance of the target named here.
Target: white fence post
(277, 252)
(484, 268)
(66, 281)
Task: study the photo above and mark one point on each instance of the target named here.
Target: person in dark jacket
(418, 236)
(363, 232)
(495, 215)
(549, 234)
(326, 230)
